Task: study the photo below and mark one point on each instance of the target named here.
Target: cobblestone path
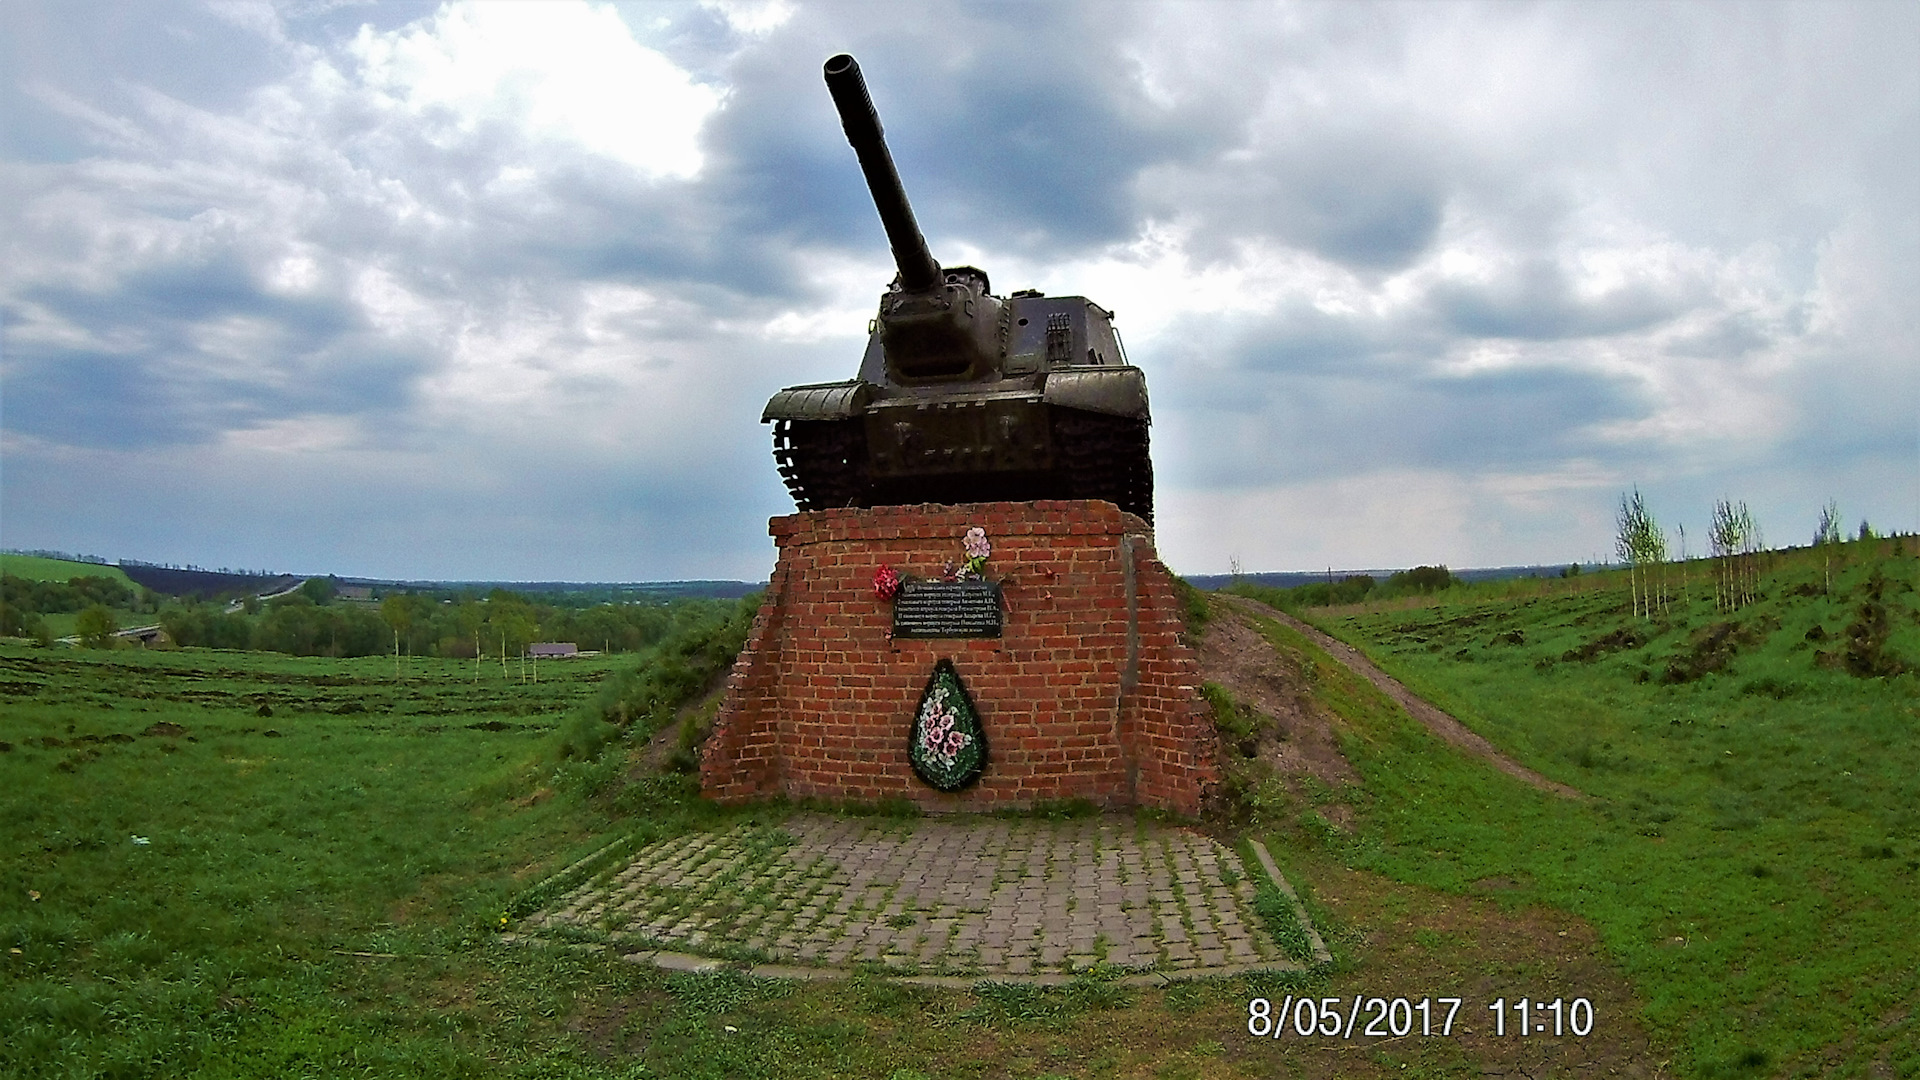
(957, 897)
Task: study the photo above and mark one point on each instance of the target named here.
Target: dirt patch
(1436, 721)
(1499, 884)
(1866, 654)
(1617, 641)
(673, 747)
(534, 797)
(1714, 647)
(1299, 740)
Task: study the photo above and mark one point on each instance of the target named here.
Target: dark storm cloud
(1536, 302)
(1020, 127)
(164, 387)
(93, 399)
(1732, 336)
(1370, 201)
(1359, 413)
(185, 342)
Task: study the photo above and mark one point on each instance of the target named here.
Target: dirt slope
(1243, 662)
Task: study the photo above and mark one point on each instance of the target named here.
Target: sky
(497, 291)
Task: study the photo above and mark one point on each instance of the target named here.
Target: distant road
(142, 632)
(236, 605)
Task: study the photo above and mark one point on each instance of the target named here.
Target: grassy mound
(1751, 848)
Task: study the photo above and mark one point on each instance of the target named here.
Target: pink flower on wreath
(955, 741)
(977, 549)
(934, 745)
(886, 582)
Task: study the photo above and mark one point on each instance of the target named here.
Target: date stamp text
(1365, 1017)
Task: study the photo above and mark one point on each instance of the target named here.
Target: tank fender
(1116, 391)
(821, 401)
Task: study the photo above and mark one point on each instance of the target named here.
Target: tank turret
(962, 396)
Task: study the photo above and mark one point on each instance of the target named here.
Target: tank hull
(966, 451)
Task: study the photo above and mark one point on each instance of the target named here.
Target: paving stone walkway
(950, 898)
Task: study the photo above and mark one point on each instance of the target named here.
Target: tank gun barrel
(918, 269)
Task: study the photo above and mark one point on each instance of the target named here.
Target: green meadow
(227, 864)
(1750, 849)
(199, 844)
(40, 568)
(251, 865)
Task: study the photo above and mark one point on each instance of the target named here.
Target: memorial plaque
(946, 609)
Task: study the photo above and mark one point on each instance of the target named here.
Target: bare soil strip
(1436, 721)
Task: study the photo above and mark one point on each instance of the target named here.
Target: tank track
(823, 462)
(1105, 457)
(824, 465)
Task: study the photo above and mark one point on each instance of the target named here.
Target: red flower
(886, 582)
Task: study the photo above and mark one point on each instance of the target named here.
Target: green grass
(60, 624)
(320, 892)
(364, 814)
(1751, 851)
(38, 568)
(331, 847)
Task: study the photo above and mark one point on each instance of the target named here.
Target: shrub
(96, 626)
(634, 703)
(1421, 579)
(1193, 606)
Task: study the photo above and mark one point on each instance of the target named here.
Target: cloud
(560, 73)
(1393, 518)
(484, 287)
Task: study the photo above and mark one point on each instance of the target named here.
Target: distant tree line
(310, 622)
(1352, 589)
(62, 556)
(313, 621)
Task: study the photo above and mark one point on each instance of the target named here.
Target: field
(37, 568)
(246, 864)
(1750, 848)
(204, 839)
(60, 624)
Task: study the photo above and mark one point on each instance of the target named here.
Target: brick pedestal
(1089, 692)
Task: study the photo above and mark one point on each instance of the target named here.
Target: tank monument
(966, 614)
(966, 611)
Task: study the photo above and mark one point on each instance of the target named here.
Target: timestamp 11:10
(1575, 1017)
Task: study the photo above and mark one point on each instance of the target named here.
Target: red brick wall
(1089, 692)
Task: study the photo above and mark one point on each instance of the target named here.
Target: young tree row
(1642, 545)
(1735, 544)
(1735, 541)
